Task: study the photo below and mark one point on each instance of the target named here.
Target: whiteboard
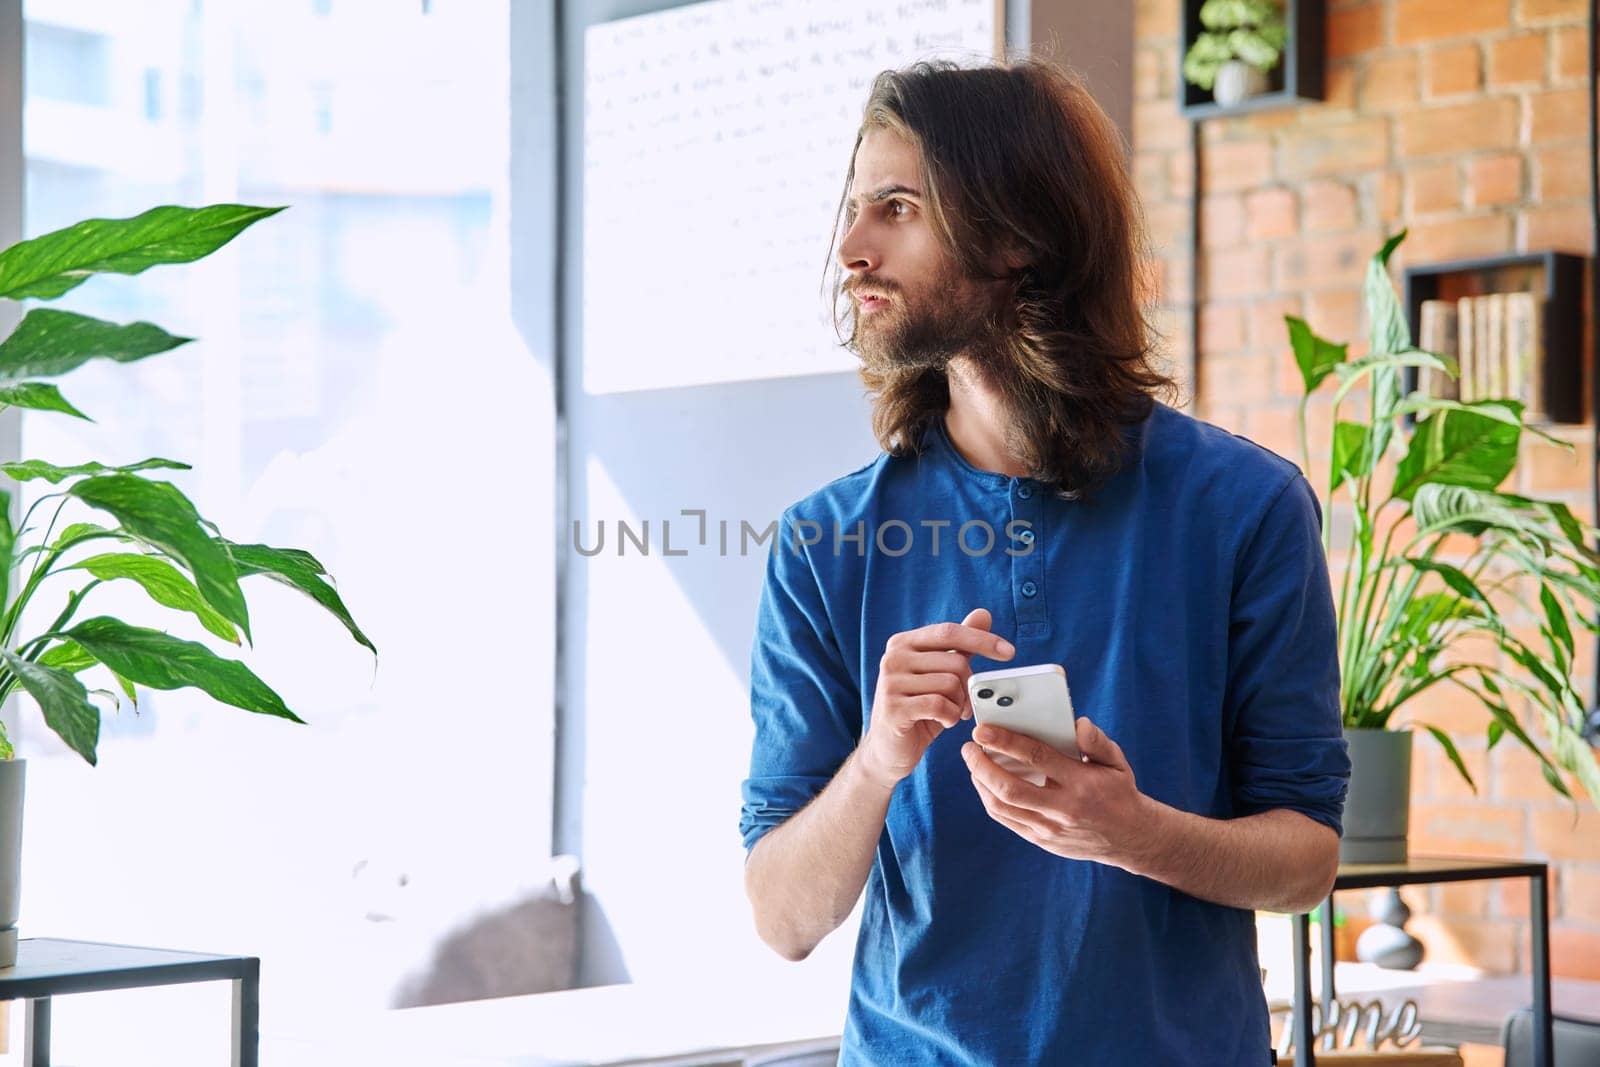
(716, 138)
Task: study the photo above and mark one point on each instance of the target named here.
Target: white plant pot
(1236, 81)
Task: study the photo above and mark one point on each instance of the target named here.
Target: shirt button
(1028, 588)
(1026, 537)
(1024, 491)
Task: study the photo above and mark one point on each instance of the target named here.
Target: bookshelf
(1299, 76)
(1557, 277)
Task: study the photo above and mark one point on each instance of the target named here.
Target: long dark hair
(1016, 156)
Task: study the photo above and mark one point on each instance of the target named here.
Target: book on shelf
(1466, 339)
(1480, 347)
(1524, 344)
(1437, 334)
(1496, 384)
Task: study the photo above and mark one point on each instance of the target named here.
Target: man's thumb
(1093, 742)
(978, 618)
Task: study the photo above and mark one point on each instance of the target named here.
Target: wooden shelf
(1298, 78)
(1557, 276)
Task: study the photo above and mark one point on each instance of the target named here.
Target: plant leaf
(1557, 617)
(63, 700)
(158, 514)
(38, 396)
(1352, 452)
(49, 343)
(1459, 448)
(1317, 357)
(8, 548)
(30, 469)
(165, 584)
(160, 661)
(68, 656)
(1387, 333)
(1450, 750)
(58, 262)
(298, 570)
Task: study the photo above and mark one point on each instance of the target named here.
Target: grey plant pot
(1377, 808)
(1236, 81)
(12, 776)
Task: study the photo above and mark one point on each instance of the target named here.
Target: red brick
(1238, 377)
(1436, 242)
(1221, 327)
(1265, 328)
(1237, 272)
(1335, 148)
(1487, 123)
(1548, 10)
(1386, 193)
(1157, 124)
(1275, 428)
(1180, 174)
(1494, 179)
(1153, 19)
(1389, 82)
(1339, 94)
(1562, 835)
(1462, 900)
(1512, 897)
(1432, 188)
(1327, 206)
(1574, 952)
(1558, 115)
(1419, 21)
(1517, 60)
(1354, 30)
(1167, 224)
(1572, 56)
(1466, 829)
(1221, 221)
(1487, 943)
(1453, 69)
(1580, 893)
(1340, 259)
(1151, 74)
(1335, 313)
(1565, 228)
(1517, 775)
(1150, 176)
(1235, 165)
(1269, 213)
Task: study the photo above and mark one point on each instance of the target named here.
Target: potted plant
(1401, 602)
(1242, 41)
(151, 534)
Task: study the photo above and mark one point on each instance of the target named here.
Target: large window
(358, 390)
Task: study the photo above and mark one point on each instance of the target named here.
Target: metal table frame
(49, 967)
(1422, 870)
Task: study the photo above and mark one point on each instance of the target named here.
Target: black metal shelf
(1562, 291)
(1299, 77)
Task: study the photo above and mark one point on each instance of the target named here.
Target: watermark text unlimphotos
(891, 537)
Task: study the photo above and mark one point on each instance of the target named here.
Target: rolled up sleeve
(1287, 747)
(806, 707)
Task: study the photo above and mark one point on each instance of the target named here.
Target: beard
(912, 337)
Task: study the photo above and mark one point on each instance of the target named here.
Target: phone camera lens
(1004, 702)
(985, 693)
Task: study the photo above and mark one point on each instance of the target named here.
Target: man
(1173, 569)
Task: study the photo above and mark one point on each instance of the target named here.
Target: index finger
(952, 635)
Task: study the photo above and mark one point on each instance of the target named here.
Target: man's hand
(1088, 809)
(922, 690)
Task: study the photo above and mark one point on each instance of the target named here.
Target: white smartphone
(1033, 701)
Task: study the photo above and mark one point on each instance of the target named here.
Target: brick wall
(1464, 121)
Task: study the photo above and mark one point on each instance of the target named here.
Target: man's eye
(899, 203)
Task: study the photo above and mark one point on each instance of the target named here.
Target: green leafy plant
(155, 537)
(1252, 31)
(1401, 604)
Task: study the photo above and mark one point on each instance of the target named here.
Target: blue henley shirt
(1190, 605)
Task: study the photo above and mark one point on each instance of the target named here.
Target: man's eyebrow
(891, 190)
